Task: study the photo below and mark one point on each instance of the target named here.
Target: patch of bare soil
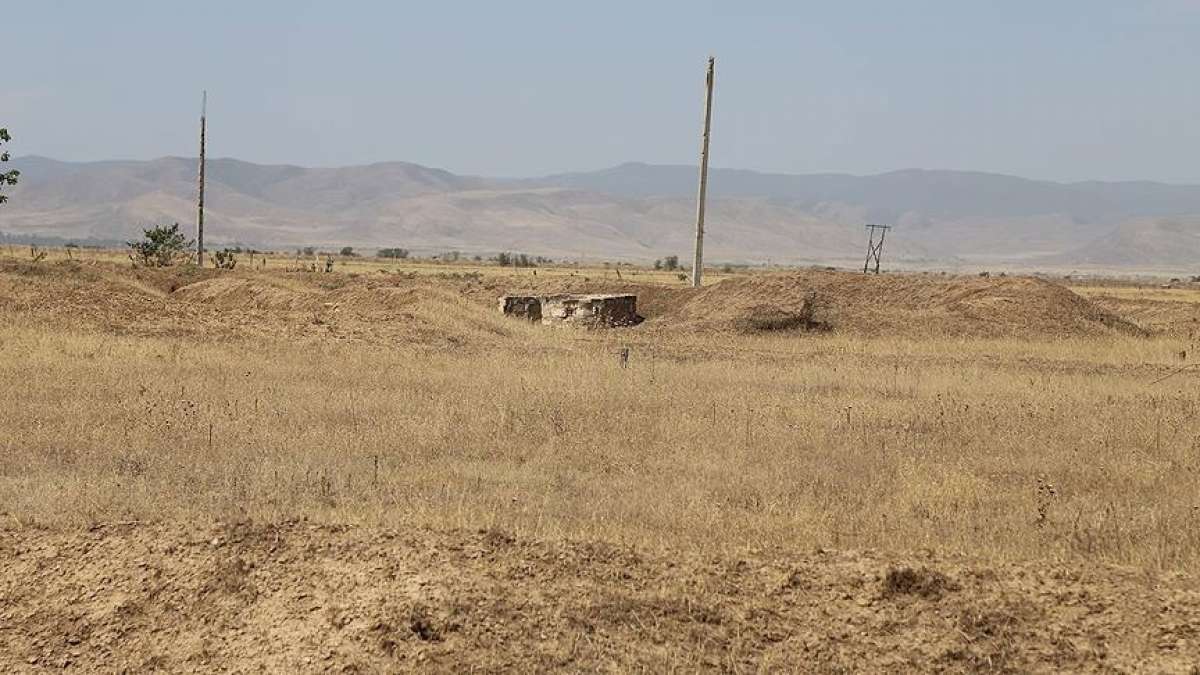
(297, 597)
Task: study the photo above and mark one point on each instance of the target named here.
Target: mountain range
(630, 212)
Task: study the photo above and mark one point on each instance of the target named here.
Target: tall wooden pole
(200, 205)
(698, 260)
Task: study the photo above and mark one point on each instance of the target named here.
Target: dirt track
(304, 598)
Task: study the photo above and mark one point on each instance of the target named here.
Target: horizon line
(631, 163)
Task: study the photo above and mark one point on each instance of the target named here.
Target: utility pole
(698, 260)
(200, 205)
(874, 248)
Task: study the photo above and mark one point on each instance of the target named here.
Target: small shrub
(398, 253)
(160, 246)
(226, 259)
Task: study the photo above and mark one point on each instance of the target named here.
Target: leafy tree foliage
(161, 246)
(393, 253)
(6, 177)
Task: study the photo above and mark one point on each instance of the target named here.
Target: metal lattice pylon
(875, 248)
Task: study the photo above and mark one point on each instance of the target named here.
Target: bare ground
(299, 597)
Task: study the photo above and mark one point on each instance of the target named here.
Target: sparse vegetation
(954, 433)
(738, 472)
(226, 258)
(347, 252)
(505, 259)
(395, 253)
(160, 246)
(36, 255)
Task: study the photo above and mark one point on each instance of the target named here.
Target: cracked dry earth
(298, 597)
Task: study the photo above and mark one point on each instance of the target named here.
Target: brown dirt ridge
(905, 304)
(298, 597)
(462, 308)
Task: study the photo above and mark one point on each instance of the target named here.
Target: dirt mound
(244, 293)
(896, 305)
(460, 308)
(117, 299)
(81, 295)
(303, 598)
(261, 292)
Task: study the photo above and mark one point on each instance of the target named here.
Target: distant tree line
(669, 263)
(505, 259)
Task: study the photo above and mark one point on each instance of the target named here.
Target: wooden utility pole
(200, 205)
(698, 260)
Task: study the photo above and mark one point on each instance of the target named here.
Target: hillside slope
(633, 212)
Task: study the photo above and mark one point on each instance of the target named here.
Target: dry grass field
(373, 470)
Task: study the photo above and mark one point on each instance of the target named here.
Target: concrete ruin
(596, 311)
(522, 306)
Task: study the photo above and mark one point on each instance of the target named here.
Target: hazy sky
(1058, 89)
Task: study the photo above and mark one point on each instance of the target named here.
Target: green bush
(160, 246)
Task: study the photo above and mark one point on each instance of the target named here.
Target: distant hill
(934, 194)
(632, 211)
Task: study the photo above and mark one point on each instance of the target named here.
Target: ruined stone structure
(606, 310)
(522, 306)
